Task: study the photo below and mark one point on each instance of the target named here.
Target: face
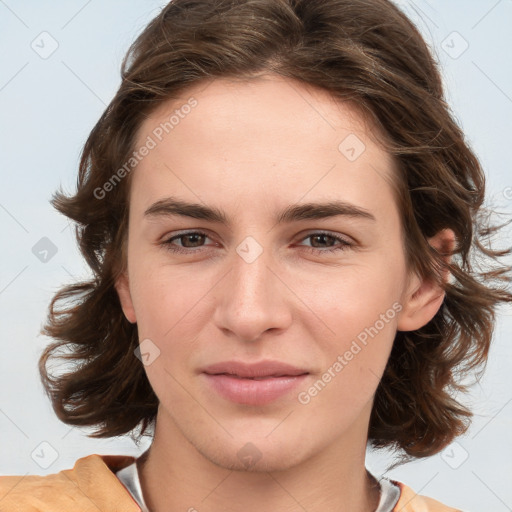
(258, 271)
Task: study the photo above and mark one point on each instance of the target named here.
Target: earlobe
(123, 291)
(424, 297)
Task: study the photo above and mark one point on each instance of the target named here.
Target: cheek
(166, 299)
(360, 310)
(355, 297)
(354, 359)
(171, 306)
(167, 306)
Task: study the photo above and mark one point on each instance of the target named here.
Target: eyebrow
(172, 206)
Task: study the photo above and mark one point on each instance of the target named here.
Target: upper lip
(248, 370)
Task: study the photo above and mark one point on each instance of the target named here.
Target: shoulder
(412, 502)
(90, 486)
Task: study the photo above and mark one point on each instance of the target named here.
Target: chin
(259, 456)
(255, 445)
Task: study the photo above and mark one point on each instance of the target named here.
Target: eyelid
(333, 234)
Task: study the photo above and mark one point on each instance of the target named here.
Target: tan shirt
(92, 486)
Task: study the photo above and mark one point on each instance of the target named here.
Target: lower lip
(251, 391)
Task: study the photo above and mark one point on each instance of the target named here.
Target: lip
(253, 383)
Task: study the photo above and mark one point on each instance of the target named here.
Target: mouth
(262, 369)
(253, 384)
(254, 378)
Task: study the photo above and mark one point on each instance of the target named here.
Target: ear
(423, 297)
(123, 290)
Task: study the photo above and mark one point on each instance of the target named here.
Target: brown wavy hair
(364, 51)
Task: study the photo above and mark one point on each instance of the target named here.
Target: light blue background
(47, 108)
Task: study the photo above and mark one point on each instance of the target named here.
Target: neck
(175, 476)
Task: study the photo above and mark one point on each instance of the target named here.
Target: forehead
(271, 135)
(278, 102)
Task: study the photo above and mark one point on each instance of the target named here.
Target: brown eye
(326, 242)
(188, 242)
(193, 239)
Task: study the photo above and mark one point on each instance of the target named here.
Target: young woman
(281, 217)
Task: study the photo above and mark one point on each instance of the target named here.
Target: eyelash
(176, 249)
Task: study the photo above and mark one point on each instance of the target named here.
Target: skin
(251, 149)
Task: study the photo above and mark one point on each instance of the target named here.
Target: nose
(253, 299)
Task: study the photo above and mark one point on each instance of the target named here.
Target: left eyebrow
(306, 211)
